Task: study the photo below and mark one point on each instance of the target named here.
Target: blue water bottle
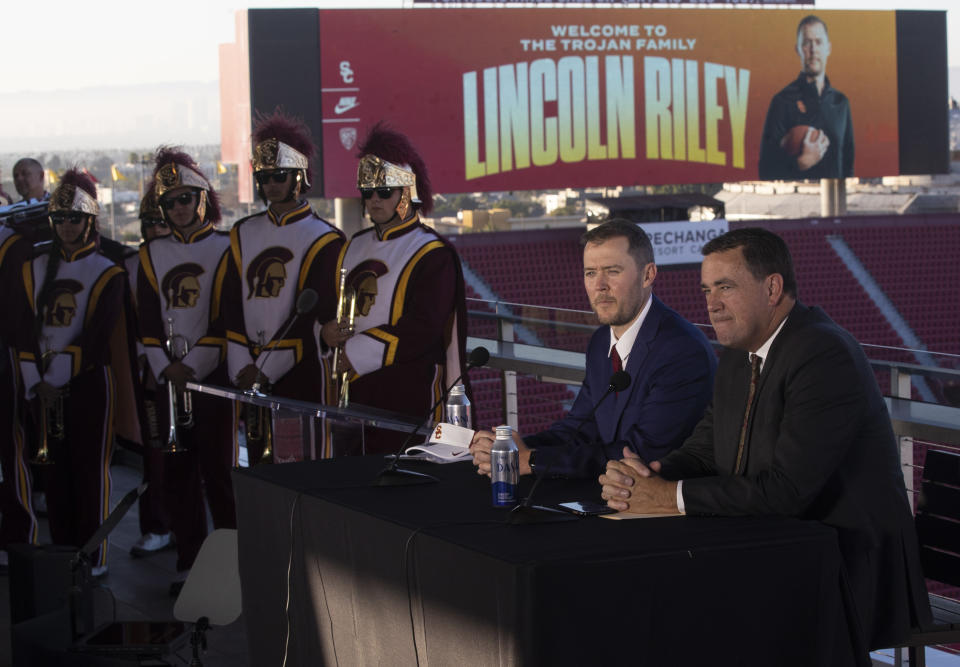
(504, 468)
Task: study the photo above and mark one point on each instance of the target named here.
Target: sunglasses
(277, 176)
(72, 218)
(149, 224)
(166, 203)
(382, 193)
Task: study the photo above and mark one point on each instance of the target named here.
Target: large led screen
(517, 99)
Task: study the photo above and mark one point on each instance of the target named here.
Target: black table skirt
(432, 575)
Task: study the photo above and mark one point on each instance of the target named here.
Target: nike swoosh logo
(345, 104)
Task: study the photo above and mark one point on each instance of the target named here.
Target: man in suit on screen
(808, 132)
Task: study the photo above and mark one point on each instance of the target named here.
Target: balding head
(28, 178)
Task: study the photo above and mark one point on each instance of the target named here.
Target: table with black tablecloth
(431, 574)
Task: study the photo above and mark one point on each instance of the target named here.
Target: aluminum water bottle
(504, 468)
(457, 409)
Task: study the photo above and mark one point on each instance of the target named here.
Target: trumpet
(346, 306)
(179, 403)
(52, 425)
(265, 420)
(257, 419)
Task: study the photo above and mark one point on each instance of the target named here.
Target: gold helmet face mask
(374, 172)
(272, 154)
(173, 175)
(68, 198)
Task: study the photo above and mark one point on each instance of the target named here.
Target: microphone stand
(526, 512)
(80, 594)
(305, 303)
(394, 476)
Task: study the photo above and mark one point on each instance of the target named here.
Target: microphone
(526, 512)
(306, 302)
(394, 476)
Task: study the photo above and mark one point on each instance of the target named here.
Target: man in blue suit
(670, 363)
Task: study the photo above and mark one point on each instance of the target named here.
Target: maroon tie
(615, 361)
(754, 376)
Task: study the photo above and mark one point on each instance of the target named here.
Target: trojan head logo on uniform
(363, 279)
(180, 285)
(62, 306)
(266, 274)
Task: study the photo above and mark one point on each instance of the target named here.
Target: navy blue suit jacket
(671, 367)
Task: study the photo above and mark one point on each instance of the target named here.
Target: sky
(61, 45)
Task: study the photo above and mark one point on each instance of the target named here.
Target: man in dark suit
(669, 361)
(797, 427)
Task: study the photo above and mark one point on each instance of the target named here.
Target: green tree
(451, 205)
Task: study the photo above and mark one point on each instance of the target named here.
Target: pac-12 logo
(348, 137)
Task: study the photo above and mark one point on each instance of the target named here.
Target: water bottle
(504, 468)
(457, 409)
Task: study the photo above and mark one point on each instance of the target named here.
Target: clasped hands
(179, 374)
(630, 485)
(46, 392)
(248, 375)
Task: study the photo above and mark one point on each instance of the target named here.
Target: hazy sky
(56, 44)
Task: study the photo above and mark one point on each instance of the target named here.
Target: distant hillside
(110, 117)
(121, 117)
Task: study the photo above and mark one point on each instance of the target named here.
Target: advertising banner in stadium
(680, 242)
(526, 99)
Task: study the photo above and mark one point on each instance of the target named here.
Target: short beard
(619, 318)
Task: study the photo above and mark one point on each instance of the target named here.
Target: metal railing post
(505, 331)
(900, 386)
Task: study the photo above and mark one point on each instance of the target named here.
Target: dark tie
(615, 360)
(754, 376)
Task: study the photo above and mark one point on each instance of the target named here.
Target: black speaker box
(39, 579)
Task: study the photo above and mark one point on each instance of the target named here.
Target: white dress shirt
(625, 343)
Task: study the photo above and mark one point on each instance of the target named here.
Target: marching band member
(411, 310)
(17, 520)
(153, 516)
(75, 296)
(274, 256)
(175, 291)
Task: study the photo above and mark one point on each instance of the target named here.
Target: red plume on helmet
(390, 145)
(291, 131)
(80, 179)
(166, 155)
